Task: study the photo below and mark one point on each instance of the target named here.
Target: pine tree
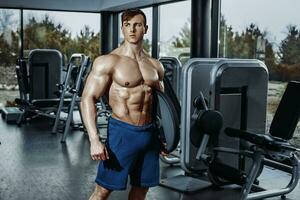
(46, 34)
(290, 47)
(184, 39)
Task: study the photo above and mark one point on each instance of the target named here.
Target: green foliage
(286, 72)
(244, 44)
(8, 47)
(46, 34)
(147, 45)
(290, 47)
(86, 42)
(289, 53)
(184, 39)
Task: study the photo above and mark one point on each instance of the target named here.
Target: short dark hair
(130, 13)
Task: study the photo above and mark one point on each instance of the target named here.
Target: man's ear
(146, 29)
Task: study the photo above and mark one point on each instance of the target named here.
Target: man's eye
(126, 25)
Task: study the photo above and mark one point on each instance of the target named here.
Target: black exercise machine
(37, 83)
(236, 100)
(77, 71)
(266, 149)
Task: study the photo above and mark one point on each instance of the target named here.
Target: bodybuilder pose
(129, 76)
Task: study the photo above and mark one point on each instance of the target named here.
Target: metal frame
(215, 28)
(200, 28)
(155, 31)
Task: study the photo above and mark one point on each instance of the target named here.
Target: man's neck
(134, 51)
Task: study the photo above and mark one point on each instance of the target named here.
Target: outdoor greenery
(283, 62)
(283, 65)
(44, 34)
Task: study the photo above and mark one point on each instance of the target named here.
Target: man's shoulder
(105, 63)
(110, 58)
(156, 63)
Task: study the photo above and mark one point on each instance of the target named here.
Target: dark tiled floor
(34, 165)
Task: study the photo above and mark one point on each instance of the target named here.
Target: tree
(147, 45)
(184, 39)
(86, 42)
(244, 44)
(46, 34)
(8, 48)
(290, 47)
(240, 45)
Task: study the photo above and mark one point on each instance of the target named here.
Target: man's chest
(132, 73)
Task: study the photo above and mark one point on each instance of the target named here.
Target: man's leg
(100, 193)
(138, 193)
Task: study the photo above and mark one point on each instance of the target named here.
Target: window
(68, 32)
(175, 30)
(266, 30)
(9, 51)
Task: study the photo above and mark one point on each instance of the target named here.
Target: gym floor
(34, 165)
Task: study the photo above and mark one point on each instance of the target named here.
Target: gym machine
(77, 71)
(37, 83)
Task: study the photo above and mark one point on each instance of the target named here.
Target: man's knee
(138, 193)
(100, 193)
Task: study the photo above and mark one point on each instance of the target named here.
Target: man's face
(134, 29)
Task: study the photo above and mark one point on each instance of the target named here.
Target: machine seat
(265, 141)
(283, 124)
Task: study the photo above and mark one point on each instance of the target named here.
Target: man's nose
(132, 29)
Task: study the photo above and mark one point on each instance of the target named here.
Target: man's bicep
(161, 73)
(96, 85)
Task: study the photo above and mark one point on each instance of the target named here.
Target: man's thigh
(145, 172)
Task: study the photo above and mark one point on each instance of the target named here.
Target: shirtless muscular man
(128, 75)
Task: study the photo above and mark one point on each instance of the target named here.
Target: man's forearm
(89, 113)
(161, 86)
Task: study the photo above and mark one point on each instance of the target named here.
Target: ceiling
(80, 5)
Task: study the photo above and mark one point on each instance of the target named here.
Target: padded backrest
(287, 114)
(45, 69)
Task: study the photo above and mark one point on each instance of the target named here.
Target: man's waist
(128, 124)
(135, 121)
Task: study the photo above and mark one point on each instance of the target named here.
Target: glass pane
(248, 30)
(68, 32)
(147, 36)
(9, 51)
(175, 30)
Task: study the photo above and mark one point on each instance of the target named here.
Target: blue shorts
(134, 151)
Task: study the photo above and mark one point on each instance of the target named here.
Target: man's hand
(98, 151)
(163, 149)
